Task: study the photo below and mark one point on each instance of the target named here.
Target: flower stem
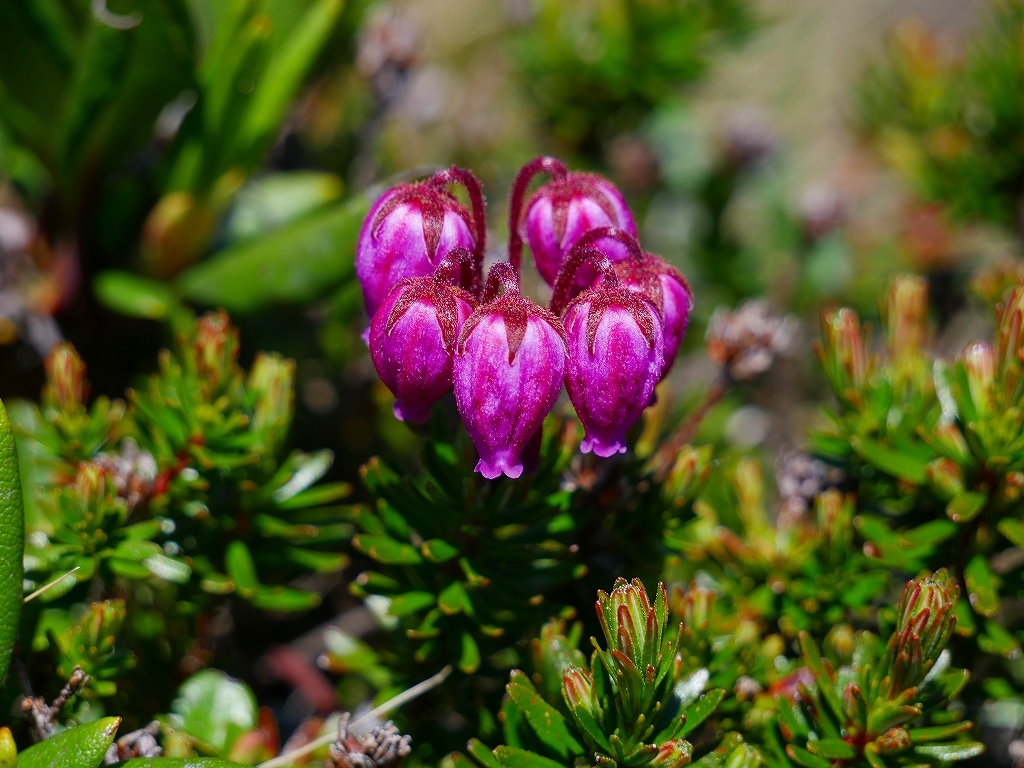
(471, 183)
(548, 165)
(577, 257)
(670, 447)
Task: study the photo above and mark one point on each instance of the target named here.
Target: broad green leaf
(893, 462)
(276, 199)
(938, 732)
(865, 588)
(998, 641)
(215, 709)
(241, 567)
(314, 560)
(294, 264)
(81, 747)
(135, 296)
(386, 550)
(943, 752)
(300, 471)
(513, 757)
(168, 568)
(438, 550)
(931, 533)
(12, 543)
(285, 72)
(832, 749)
(982, 586)
(699, 711)
(546, 721)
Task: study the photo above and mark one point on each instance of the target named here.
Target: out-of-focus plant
(596, 70)
(136, 132)
(947, 121)
(798, 574)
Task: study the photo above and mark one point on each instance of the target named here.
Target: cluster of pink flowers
(611, 332)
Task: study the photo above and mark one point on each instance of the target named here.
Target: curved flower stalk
(565, 209)
(412, 227)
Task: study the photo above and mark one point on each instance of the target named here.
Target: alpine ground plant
(171, 501)
(934, 451)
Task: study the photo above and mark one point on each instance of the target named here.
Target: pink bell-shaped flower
(657, 281)
(561, 212)
(509, 366)
(413, 334)
(616, 353)
(411, 228)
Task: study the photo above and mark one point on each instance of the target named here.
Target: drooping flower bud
(509, 366)
(657, 281)
(616, 354)
(411, 228)
(561, 212)
(413, 335)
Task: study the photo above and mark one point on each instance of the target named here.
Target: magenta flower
(413, 334)
(616, 353)
(561, 212)
(657, 281)
(411, 228)
(509, 366)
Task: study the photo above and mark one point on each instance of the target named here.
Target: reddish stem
(458, 263)
(549, 165)
(614, 233)
(471, 183)
(501, 280)
(578, 256)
